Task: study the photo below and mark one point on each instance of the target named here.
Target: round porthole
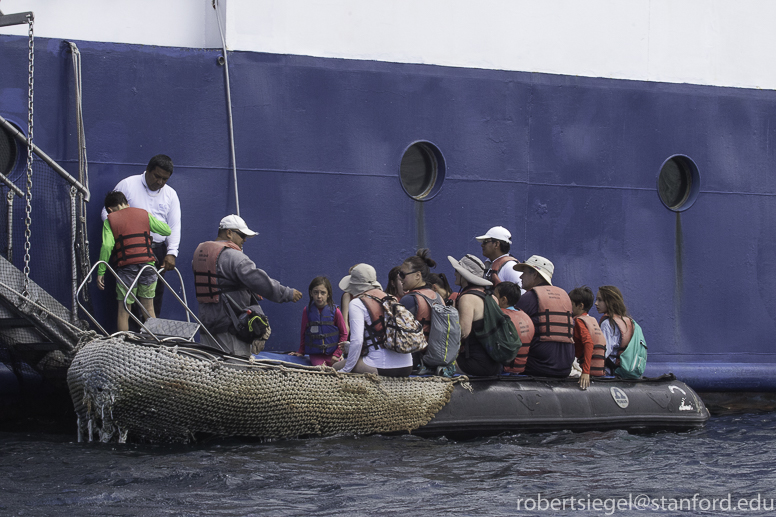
(8, 152)
(422, 170)
(678, 183)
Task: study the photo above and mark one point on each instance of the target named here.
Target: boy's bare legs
(123, 318)
(148, 304)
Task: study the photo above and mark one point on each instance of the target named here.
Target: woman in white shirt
(366, 331)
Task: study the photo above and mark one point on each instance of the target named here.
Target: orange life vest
(525, 328)
(132, 232)
(554, 316)
(374, 333)
(204, 266)
(599, 345)
(423, 308)
(495, 267)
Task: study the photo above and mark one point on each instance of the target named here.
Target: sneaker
(446, 371)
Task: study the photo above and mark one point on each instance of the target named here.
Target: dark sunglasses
(403, 275)
(242, 235)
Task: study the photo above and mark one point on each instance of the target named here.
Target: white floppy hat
(471, 268)
(540, 264)
(362, 277)
(497, 232)
(235, 222)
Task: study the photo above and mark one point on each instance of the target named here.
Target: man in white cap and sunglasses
(552, 348)
(223, 271)
(495, 247)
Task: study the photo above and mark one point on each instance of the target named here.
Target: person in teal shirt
(127, 230)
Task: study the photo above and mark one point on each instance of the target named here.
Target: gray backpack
(444, 337)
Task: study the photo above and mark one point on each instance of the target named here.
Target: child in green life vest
(127, 231)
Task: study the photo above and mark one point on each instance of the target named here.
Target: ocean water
(726, 468)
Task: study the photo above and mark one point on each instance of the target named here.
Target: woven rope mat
(123, 389)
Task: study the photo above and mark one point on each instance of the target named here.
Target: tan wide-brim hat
(539, 264)
(362, 277)
(471, 269)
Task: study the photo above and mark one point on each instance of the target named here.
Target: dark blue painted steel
(568, 164)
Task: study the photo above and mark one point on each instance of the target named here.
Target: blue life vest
(321, 332)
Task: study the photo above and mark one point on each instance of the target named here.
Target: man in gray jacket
(220, 269)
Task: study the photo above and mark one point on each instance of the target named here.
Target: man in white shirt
(495, 247)
(150, 192)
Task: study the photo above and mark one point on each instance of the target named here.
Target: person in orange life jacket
(220, 267)
(495, 247)
(395, 287)
(364, 354)
(151, 192)
(616, 324)
(472, 359)
(589, 341)
(128, 230)
(508, 295)
(439, 283)
(552, 348)
(345, 303)
(323, 327)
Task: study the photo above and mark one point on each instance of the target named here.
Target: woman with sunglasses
(414, 277)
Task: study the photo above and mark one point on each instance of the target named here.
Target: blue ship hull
(568, 164)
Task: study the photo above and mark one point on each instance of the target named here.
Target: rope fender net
(147, 392)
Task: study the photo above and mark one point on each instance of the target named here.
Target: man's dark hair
(509, 290)
(503, 246)
(583, 295)
(161, 161)
(115, 198)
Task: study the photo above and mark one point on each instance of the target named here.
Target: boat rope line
(30, 94)
(80, 239)
(228, 106)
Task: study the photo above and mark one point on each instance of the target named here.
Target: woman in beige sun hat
(362, 284)
(473, 359)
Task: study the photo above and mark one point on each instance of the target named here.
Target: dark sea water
(731, 460)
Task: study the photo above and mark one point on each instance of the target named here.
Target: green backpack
(633, 359)
(498, 334)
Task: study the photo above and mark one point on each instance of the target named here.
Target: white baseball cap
(235, 222)
(497, 232)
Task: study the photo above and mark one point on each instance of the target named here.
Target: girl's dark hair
(440, 280)
(615, 304)
(324, 281)
(393, 274)
(421, 261)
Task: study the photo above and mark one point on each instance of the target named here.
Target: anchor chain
(28, 209)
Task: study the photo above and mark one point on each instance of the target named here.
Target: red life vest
(132, 232)
(204, 266)
(374, 333)
(626, 333)
(423, 312)
(496, 266)
(554, 316)
(599, 345)
(525, 328)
